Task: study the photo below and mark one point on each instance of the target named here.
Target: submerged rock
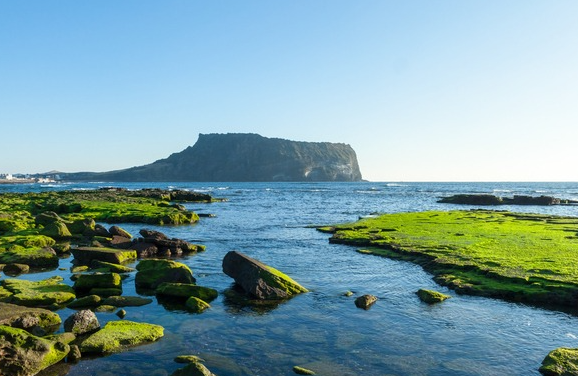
(258, 279)
(184, 290)
(126, 301)
(24, 354)
(152, 273)
(118, 334)
(196, 305)
(430, 296)
(560, 362)
(99, 284)
(14, 270)
(194, 368)
(365, 301)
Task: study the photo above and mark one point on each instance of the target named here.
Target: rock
(258, 279)
(365, 301)
(79, 268)
(430, 296)
(120, 242)
(302, 371)
(34, 257)
(93, 283)
(188, 359)
(110, 267)
(46, 293)
(152, 236)
(84, 227)
(85, 255)
(560, 362)
(105, 308)
(14, 270)
(121, 313)
(183, 290)
(151, 273)
(47, 218)
(86, 301)
(34, 320)
(144, 249)
(193, 369)
(119, 231)
(118, 334)
(56, 230)
(126, 301)
(196, 305)
(24, 354)
(81, 322)
(100, 230)
(486, 199)
(5, 295)
(74, 355)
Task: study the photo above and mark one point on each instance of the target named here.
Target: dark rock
(85, 255)
(74, 355)
(151, 273)
(183, 290)
(152, 236)
(245, 157)
(83, 226)
(121, 313)
(120, 242)
(81, 322)
(14, 270)
(365, 301)
(488, 200)
(119, 231)
(258, 279)
(86, 301)
(47, 218)
(144, 249)
(126, 301)
(95, 283)
(100, 230)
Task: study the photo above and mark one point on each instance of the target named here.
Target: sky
(423, 90)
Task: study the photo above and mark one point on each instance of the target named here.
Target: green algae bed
(528, 258)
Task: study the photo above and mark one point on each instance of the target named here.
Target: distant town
(27, 179)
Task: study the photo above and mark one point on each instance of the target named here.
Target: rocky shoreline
(32, 236)
(492, 200)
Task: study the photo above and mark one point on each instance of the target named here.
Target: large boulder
(24, 354)
(34, 320)
(560, 362)
(81, 322)
(258, 279)
(85, 255)
(56, 230)
(151, 273)
(49, 292)
(118, 334)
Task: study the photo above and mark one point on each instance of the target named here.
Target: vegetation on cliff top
(518, 257)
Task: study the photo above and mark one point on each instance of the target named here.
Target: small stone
(121, 313)
(74, 355)
(430, 296)
(365, 301)
(81, 322)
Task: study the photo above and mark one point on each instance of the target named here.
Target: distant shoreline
(23, 181)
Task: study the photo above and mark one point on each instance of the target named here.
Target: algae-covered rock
(188, 359)
(47, 218)
(5, 295)
(184, 290)
(85, 255)
(110, 267)
(560, 362)
(85, 301)
(33, 256)
(46, 293)
(81, 322)
(194, 368)
(87, 283)
(302, 371)
(56, 230)
(196, 305)
(105, 308)
(430, 296)
(34, 320)
(85, 226)
(365, 301)
(118, 334)
(258, 279)
(151, 273)
(119, 231)
(126, 301)
(25, 354)
(15, 269)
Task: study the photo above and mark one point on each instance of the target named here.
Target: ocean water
(323, 330)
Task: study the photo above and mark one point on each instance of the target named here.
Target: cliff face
(245, 157)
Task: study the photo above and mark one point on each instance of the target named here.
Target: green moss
(85, 301)
(196, 305)
(277, 279)
(430, 296)
(5, 295)
(151, 273)
(46, 293)
(94, 283)
(518, 257)
(116, 335)
(34, 257)
(560, 362)
(111, 267)
(184, 290)
(302, 371)
(28, 318)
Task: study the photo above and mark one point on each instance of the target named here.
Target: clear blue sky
(446, 90)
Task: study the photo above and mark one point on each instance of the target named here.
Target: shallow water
(323, 330)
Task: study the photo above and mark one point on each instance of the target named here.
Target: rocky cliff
(244, 157)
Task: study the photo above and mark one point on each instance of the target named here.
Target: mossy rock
(431, 297)
(126, 301)
(186, 359)
(105, 308)
(86, 255)
(85, 226)
(56, 230)
(110, 267)
(560, 362)
(116, 335)
(35, 320)
(193, 369)
(85, 301)
(47, 218)
(29, 354)
(302, 371)
(34, 257)
(153, 272)
(46, 293)
(5, 295)
(184, 290)
(196, 305)
(86, 283)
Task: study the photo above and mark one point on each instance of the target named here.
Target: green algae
(430, 296)
(513, 256)
(196, 305)
(46, 293)
(282, 281)
(153, 272)
(185, 290)
(560, 362)
(116, 335)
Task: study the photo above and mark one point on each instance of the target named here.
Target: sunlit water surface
(323, 330)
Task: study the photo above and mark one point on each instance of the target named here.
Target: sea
(323, 330)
